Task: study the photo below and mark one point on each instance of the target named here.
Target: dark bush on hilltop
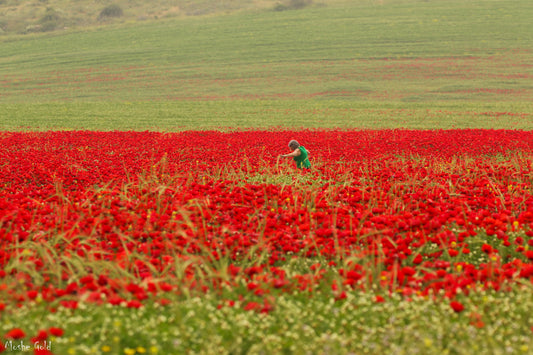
(110, 11)
(50, 21)
(292, 5)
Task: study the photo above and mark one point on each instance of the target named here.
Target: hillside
(53, 15)
(409, 63)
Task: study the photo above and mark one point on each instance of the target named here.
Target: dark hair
(294, 144)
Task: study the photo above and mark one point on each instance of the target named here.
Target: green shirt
(302, 161)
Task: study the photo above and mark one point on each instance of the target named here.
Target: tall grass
(216, 319)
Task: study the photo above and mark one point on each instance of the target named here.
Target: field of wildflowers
(411, 234)
(203, 241)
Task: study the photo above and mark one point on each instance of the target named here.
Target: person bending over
(300, 155)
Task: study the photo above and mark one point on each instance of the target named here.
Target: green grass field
(415, 64)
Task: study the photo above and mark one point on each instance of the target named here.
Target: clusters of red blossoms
(414, 212)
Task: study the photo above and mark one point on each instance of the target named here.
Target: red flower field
(122, 217)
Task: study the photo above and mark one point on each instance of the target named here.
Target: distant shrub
(292, 5)
(280, 7)
(111, 11)
(299, 4)
(50, 15)
(50, 21)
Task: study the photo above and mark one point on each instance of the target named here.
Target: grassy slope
(437, 64)
(27, 16)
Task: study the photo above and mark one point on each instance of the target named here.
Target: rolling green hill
(55, 15)
(364, 63)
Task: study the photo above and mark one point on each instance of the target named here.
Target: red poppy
(55, 331)
(41, 335)
(252, 306)
(487, 248)
(15, 333)
(457, 306)
(529, 254)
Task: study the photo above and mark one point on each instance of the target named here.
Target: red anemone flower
(458, 307)
(15, 333)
